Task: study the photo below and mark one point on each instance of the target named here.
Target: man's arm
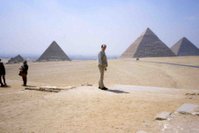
(106, 61)
(100, 58)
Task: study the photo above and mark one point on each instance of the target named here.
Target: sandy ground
(131, 104)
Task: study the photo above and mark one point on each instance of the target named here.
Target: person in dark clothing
(2, 74)
(24, 72)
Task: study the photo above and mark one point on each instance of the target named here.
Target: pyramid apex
(148, 31)
(18, 56)
(54, 42)
(148, 28)
(184, 38)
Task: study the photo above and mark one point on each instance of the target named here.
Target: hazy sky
(81, 26)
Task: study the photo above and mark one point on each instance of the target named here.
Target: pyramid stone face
(54, 53)
(147, 45)
(16, 59)
(184, 48)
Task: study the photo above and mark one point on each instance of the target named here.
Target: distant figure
(2, 74)
(102, 65)
(24, 72)
(137, 59)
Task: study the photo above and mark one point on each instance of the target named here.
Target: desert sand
(138, 91)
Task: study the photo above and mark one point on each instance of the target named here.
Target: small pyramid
(54, 53)
(16, 59)
(184, 48)
(147, 45)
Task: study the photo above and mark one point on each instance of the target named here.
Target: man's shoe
(104, 88)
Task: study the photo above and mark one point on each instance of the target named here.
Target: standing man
(102, 65)
(2, 74)
(24, 72)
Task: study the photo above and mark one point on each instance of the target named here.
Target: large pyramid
(54, 53)
(147, 45)
(184, 48)
(16, 59)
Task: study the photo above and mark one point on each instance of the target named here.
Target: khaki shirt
(102, 59)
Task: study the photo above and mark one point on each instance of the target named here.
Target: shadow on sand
(175, 64)
(117, 91)
(29, 86)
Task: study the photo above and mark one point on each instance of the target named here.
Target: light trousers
(101, 80)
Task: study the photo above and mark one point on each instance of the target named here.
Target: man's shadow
(117, 91)
(29, 86)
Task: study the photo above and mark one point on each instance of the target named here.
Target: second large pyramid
(147, 45)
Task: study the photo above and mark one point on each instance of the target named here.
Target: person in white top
(102, 65)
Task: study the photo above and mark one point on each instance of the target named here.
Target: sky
(28, 27)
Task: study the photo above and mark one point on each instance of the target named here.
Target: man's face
(104, 48)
